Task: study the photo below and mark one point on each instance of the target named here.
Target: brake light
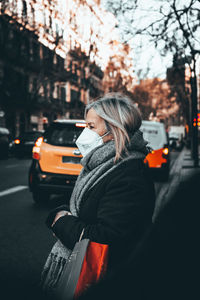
(165, 152)
(17, 141)
(80, 125)
(39, 141)
(36, 152)
(36, 148)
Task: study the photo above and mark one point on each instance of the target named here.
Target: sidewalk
(182, 169)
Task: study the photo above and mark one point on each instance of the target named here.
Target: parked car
(4, 142)
(56, 160)
(24, 143)
(159, 159)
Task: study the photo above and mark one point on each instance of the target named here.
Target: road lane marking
(13, 190)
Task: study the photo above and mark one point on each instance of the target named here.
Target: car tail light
(36, 148)
(80, 125)
(165, 152)
(17, 141)
(39, 141)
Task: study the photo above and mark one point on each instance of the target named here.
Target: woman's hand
(60, 214)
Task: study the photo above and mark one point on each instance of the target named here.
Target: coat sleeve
(124, 209)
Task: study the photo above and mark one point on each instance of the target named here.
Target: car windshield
(62, 134)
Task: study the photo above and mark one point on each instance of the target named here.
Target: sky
(148, 62)
(145, 55)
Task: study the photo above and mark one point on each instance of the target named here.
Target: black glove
(50, 218)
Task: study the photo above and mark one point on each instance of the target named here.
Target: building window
(24, 11)
(54, 59)
(50, 25)
(74, 96)
(41, 51)
(60, 62)
(36, 52)
(58, 92)
(34, 90)
(57, 33)
(45, 89)
(31, 51)
(32, 16)
(30, 85)
(63, 94)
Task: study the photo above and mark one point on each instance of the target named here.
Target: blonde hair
(122, 118)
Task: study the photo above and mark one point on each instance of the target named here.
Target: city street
(25, 240)
(102, 68)
(56, 59)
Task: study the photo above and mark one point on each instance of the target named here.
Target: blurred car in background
(177, 136)
(156, 136)
(55, 160)
(176, 141)
(23, 144)
(4, 142)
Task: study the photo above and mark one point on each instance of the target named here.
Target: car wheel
(40, 197)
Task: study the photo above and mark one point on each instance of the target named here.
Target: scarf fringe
(52, 271)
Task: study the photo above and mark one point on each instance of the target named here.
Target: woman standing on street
(113, 198)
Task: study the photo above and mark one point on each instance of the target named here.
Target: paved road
(25, 240)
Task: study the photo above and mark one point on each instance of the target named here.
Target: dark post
(195, 154)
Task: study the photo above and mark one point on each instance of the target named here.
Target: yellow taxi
(55, 160)
(158, 159)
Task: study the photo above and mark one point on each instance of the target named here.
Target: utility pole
(194, 111)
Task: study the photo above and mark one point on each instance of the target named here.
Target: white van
(156, 136)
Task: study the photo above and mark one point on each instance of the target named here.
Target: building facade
(53, 56)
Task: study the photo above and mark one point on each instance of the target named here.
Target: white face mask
(88, 140)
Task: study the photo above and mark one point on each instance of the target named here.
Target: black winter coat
(116, 211)
(166, 263)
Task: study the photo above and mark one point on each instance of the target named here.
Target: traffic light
(196, 121)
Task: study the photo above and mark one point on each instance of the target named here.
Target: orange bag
(93, 268)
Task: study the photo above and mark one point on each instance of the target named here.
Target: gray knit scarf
(97, 164)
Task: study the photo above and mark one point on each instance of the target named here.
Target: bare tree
(173, 26)
(173, 21)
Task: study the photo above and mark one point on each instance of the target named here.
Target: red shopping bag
(93, 268)
(85, 266)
